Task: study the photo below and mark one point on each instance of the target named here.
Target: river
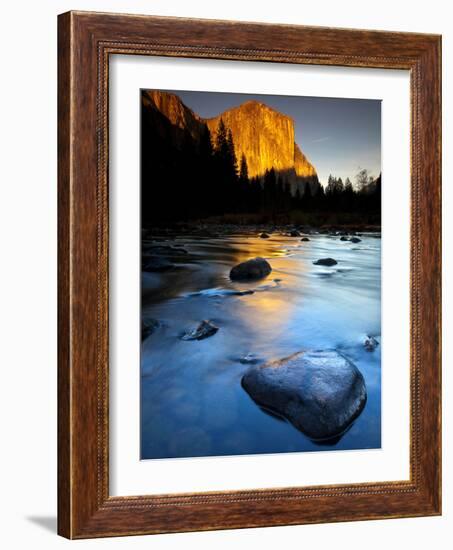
(192, 401)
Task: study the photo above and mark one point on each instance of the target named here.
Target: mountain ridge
(265, 136)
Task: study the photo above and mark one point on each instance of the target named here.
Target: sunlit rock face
(265, 136)
(174, 110)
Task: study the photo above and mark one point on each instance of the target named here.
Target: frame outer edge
(439, 161)
(82, 510)
(426, 244)
(64, 527)
(433, 137)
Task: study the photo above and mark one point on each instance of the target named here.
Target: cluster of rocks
(216, 230)
(292, 233)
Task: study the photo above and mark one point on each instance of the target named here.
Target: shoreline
(228, 228)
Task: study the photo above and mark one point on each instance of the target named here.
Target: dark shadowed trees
(186, 177)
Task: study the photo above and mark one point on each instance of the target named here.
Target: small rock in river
(249, 359)
(326, 261)
(148, 327)
(294, 233)
(264, 236)
(305, 239)
(355, 240)
(370, 343)
(320, 392)
(344, 238)
(256, 268)
(203, 330)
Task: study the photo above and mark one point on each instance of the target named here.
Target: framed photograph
(249, 275)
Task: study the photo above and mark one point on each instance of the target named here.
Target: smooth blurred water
(192, 402)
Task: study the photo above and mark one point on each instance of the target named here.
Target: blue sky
(339, 136)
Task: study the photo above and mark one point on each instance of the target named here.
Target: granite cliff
(265, 136)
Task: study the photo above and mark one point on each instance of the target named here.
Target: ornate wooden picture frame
(85, 507)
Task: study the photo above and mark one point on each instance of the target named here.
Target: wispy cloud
(321, 139)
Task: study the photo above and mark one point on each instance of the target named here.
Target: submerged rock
(326, 261)
(264, 236)
(355, 240)
(320, 392)
(249, 359)
(203, 330)
(219, 292)
(344, 238)
(305, 239)
(153, 249)
(156, 264)
(256, 268)
(370, 343)
(148, 327)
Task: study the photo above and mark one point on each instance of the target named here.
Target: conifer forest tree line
(188, 179)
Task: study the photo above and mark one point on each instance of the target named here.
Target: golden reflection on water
(193, 403)
(270, 309)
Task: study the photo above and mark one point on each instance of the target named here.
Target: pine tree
(362, 180)
(297, 199)
(330, 181)
(206, 173)
(330, 189)
(244, 171)
(270, 190)
(221, 144)
(319, 200)
(232, 154)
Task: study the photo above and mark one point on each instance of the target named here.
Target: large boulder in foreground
(319, 392)
(253, 269)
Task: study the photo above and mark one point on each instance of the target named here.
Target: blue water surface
(192, 401)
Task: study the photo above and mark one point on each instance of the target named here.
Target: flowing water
(192, 401)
